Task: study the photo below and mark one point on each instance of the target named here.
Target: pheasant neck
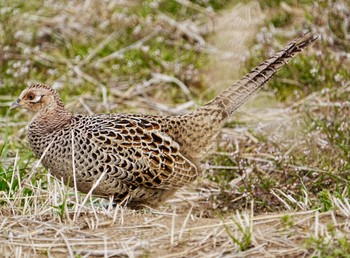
(52, 118)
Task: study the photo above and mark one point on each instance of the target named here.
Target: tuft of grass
(325, 246)
(244, 229)
(287, 221)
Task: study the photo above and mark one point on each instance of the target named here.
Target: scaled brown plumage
(145, 158)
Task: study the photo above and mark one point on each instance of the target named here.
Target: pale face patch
(32, 100)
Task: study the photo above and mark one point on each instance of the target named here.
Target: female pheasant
(143, 159)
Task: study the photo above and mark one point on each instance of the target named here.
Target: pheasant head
(45, 101)
(38, 98)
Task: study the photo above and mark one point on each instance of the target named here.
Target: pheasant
(137, 159)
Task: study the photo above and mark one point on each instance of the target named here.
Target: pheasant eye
(31, 96)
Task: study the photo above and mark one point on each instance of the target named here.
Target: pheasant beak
(15, 104)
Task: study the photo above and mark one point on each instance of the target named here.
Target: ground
(275, 185)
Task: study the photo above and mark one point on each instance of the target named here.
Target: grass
(277, 182)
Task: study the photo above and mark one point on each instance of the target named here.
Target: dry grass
(41, 226)
(272, 188)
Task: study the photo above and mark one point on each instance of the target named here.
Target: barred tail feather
(235, 96)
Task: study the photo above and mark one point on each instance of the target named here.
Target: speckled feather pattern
(145, 158)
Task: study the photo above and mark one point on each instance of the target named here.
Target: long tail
(239, 93)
